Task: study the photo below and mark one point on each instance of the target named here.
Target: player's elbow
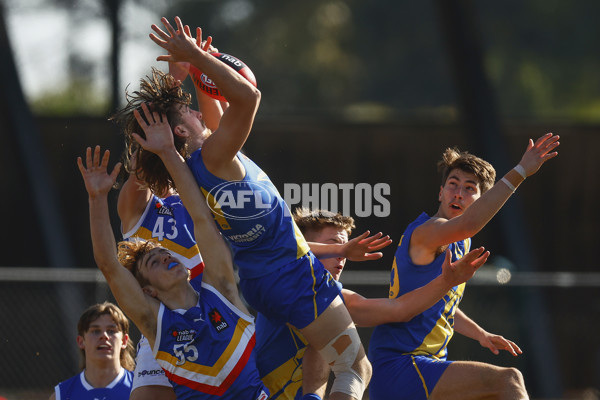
(253, 96)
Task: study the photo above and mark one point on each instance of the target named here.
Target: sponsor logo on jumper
(217, 320)
(164, 210)
(151, 372)
(249, 236)
(254, 198)
(185, 335)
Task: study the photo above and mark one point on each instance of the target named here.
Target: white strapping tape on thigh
(346, 379)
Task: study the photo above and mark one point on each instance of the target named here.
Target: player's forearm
(466, 326)
(186, 184)
(218, 263)
(235, 88)
(413, 303)
(103, 241)
(211, 109)
(323, 250)
(483, 210)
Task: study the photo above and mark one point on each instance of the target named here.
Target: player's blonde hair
(130, 254)
(94, 312)
(315, 221)
(453, 158)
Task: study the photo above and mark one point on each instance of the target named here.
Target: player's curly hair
(163, 94)
(130, 254)
(316, 220)
(453, 158)
(96, 311)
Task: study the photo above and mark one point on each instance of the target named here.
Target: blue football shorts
(296, 293)
(405, 377)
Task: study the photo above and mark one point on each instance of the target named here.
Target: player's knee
(511, 384)
(347, 358)
(363, 366)
(515, 379)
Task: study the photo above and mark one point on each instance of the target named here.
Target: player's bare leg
(467, 380)
(333, 334)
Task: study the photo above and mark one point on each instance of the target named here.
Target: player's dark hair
(163, 94)
(453, 158)
(96, 311)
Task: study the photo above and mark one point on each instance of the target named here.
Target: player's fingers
(80, 165)
(510, 348)
(549, 148)
(179, 24)
(138, 139)
(168, 25)
(207, 43)
(516, 348)
(156, 116)
(472, 256)
(372, 256)
(88, 157)
(380, 244)
(448, 256)
(370, 239)
(362, 236)
(115, 171)
(148, 114)
(105, 158)
(542, 139)
(141, 121)
(550, 155)
(493, 348)
(480, 260)
(161, 35)
(96, 158)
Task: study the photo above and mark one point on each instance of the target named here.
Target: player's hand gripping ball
(205, 84)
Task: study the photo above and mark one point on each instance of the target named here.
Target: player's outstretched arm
(212, 109)
(469, 328)
(372, 312)
(123, 285)
(360, 248)
(216, 255)
(439, 231)
(220, 149)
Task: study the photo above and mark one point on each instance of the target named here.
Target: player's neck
(101, 374)
(182, 297)
(196, 142)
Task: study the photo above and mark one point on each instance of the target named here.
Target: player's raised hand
(539, 152)
(180, 70)
(496, 343)
(365, 247)
(463, 269)
(95, 174)
(178, 42)
(159, 136)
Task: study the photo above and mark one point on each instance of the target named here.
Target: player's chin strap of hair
(346, 379)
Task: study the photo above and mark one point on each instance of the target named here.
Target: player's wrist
(521, 171)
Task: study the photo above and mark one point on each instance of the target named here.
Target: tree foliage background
(375, 60)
